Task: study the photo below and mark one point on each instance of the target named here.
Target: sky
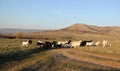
(56, 14)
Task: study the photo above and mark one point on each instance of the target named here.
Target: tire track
(85, 58)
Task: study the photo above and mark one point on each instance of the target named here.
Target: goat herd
(67, 44)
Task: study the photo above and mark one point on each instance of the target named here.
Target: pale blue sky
(56, 14)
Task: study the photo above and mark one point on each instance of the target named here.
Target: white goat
(89, 43)
(76, 43)
(41, 41)
(96, 43)
(66, 46)
(106, 43)
(62, 42)
(26, 43)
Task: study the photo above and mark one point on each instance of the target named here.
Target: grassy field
(13, 57)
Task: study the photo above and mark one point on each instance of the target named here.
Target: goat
(83, 43)
(26, 43)
(40, 43)
(67, 44)
(76, 43)
(89, 43)
(106, 43)
(96, 43)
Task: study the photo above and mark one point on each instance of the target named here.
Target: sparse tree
(18, 34)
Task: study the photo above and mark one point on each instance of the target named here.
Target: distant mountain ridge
(13, 30)
(73, 30)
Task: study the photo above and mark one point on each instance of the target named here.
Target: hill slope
(82, 27)
(111, 30)
(77, 30)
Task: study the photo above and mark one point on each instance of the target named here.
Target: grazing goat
(96, 43)
(64, 44)
(56, 45)
(26, 43)
(83, 43)
(61, 42)
(106, 43)
(89, 44)
(40, 43)
(76, 43)
(67, 44)
(47, 45)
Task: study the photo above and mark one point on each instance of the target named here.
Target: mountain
(83, 28)
(73, 31)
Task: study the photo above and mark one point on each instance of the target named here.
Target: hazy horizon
(55, 28)
(54, 14)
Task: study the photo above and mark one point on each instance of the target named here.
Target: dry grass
(99, 59)
(33, 58)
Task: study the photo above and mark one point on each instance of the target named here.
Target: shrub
(18, 34)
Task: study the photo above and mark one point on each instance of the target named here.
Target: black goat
(83, 43)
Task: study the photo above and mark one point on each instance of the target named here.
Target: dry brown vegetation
(33, 58)
(13, 57)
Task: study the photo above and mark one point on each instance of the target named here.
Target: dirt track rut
(90, 57)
